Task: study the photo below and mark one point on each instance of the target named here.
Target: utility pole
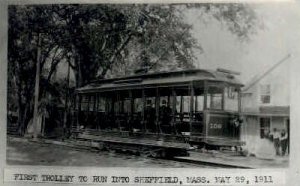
(66, 101)
(37, 88)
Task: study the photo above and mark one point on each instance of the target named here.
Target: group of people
(165, 117)
(280, 140)
(274, 144)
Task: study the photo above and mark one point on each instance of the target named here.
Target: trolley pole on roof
(37, 89)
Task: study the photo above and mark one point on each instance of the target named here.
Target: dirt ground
(31, 153)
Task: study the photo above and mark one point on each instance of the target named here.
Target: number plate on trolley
(215, 125)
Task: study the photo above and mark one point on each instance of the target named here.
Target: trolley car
(196, 107)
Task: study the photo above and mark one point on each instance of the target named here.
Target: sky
(279, 37)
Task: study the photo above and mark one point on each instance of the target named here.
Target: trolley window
(231, 96)
(215, 97)
(101, 104)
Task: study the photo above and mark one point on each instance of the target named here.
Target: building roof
(264, 114)
(274, 109)
(279, 111)
(159, 78)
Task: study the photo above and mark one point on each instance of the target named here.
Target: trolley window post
(191, 106)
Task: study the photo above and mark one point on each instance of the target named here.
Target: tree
(155, 36)
(102, 40)
(24, 28)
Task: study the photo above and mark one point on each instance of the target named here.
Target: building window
(265, 125)
(265, 94)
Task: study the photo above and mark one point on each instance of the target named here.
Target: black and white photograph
(151, 85)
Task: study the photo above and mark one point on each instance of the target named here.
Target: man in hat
(276, 140)
(283, 141)
(150, 116)
(165, 117)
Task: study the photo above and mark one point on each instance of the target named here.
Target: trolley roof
(159, 79)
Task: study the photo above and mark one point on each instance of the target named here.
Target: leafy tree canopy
(100, 37)
(100, 40)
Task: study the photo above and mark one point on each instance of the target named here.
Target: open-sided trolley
(200, 106)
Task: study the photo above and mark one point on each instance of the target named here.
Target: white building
(266, 104)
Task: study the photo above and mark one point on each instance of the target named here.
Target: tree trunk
(36, 90)
(20, 117)
(23, 110)
(77, 67)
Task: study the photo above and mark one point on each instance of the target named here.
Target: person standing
(150, 117)
(165, 113)
(276, 140)
(283, 142)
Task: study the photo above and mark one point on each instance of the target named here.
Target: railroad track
(86, 146)
(208, 163)
(151, 153)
